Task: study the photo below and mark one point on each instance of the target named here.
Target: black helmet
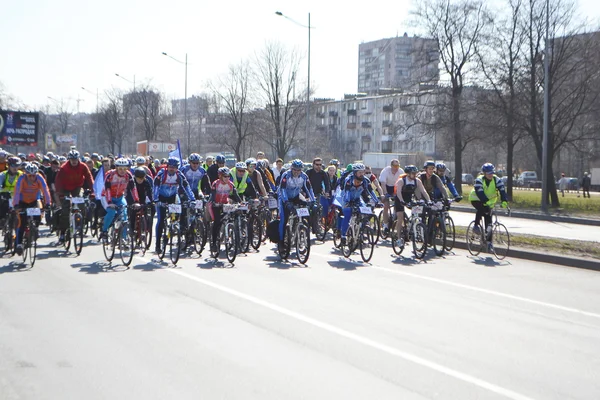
(140, 172)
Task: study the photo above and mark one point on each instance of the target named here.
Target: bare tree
(113, 117)
(148, 105)
(64, 116)
(277, 69)
(233, 92)
(457, 26)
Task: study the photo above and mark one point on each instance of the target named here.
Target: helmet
(184, 163)
(163, 160)
(140, 160)
(95, 155)
(73, 155)
(3, 153)
(349, 167)
(14, 161)
(121, 162)
(209, 158)
(22, 156)
(220, 159)
(46, 159)
(251, 161)
(62, 159)
(488, 167)
(140, 172)
(264, 163)
(86, 159)
(194, 157)
(31, 169)
(411, 168)
(441, 166)
(297, 164)
(173, 162)
(240, 165)
(224, 171)
(358, 167)
(429, 163)
(334, 161)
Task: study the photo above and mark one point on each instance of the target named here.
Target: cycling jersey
(144, 190)
(116, 185)
(71, 177)
(167, 185)
(242, 184)
(194, 178)
(351, 192)
(406, 188)
(221, 191)
(8, 182)
(447, 182)
(290, 186)
(28, 192)
(484, 190)
(430, 183)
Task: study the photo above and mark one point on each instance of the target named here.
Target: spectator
(278, 170)
(586, 182)
(563, 184)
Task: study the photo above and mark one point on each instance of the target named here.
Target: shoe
(19, 249)
(61, 238)
(157, 249)
(343, 241)
(214, 249)
(104, 236)
(490, 247)
(477, 230)
(386, 230)
(400, 242)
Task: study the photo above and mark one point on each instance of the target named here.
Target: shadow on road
(488, 261)
(346, 264)
(15, 266)
(98, 267)
(210, 263)
(56, 253)
(148, 267)
(276, 262)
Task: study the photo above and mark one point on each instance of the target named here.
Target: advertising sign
(67, 139)
(19, 128)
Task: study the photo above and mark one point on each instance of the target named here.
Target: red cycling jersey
(115, 185)
(71, 177)
(221, 191)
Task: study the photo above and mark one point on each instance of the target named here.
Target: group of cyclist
(42, 181)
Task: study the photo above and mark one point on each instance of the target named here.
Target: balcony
(351, 112)
(366, 124)
(333, 113)
(351, 125)
(366, 138)
(320, 115)
(388, 108)
(386, 123)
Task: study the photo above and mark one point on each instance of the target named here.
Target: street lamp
(97, 114)
(546, 134)
(185, 118)
(308, 88)
(133, 124)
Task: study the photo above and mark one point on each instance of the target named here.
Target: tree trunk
(456, 94)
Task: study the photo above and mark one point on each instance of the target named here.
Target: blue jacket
(193, 177)
(290, 187)
(447, 182)
(166, 185)
(351, 193)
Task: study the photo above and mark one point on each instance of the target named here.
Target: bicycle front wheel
(302, 243)
(450, 232)
(439, 236)
(397, 244)
(230, 242)
(501, 241)
(474, 241)
(244, 239)
(255, 232)
(419, 240)
(78, 234)
(383, 233)
(33, 234)
(366, 242)
(375, 226)
(348, 248)
(126, 245)
(174, 243)
(199, 233)
(108, 244)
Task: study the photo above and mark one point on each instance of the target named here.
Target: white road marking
(478, 289)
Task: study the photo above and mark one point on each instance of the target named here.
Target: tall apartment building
(398, 63)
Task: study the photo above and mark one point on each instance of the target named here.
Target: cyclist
(431, 181)
(374, 181)
(141, 162)
(483, 197)
(116, 183)
(262, 166)
(292, 183)
(222, 190)
(242, 182)
(388, 178)
(167, 184)
(213, 170)
(196, 176)
(142, 184)
(321, 187)
(257, 178)
(355, 188)
(440, 171)
(8, 182)
(334, 162)
(72, 177)
(208, 162)
(27, 191)
(407, 186)
(3, 160)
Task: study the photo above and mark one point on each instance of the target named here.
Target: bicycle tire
(25, 244)
(164, 244)
(439, 236)
(419, 240)
(265, 218)
(374, 224)
(33, 246)
(174, 243)
(78, 234)
(283, 246)
(347, 248)
(450, 233)
(140, 234)
(108, 244)
(366, 242)
(255, 233)
(231, 243)
(68, 239)
(148, 231)
(396, 247)
(302, 243)
(501, 241)
(383, 234)
(474, 241)
(321, 227)
(199, 233)
(243, 236)
(126, 245)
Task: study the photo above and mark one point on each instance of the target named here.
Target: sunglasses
(296, 169)
(318, 165)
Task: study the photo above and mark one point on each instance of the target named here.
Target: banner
(19, 128)
(67, 139)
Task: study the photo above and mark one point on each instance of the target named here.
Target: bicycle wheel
(397, 246)
(283, 246)
(199, 235)
(366, 242)
(108, 245)
(148, 231)
(243, 236)
(174, 243)
(230, 242)
(375, 226)
(126, 245)
(265, 219)
(501, 241)
(255, 232)
(347, 248)
(439, 236)
(164, 242)
(450, 232)
(321, 227)
(25, 244)
(213, 254)
(474, 241)
(139, 234)
(33, 235)
(78, 234)
(383, 234)
(302, 243)
(419, 240)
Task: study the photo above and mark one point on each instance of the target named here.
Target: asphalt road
(451, 328)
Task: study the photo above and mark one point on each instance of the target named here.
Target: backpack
(273, 231)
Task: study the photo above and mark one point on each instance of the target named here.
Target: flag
(99, 186)
(176, 152)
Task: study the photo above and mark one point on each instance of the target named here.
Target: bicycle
(118, 234)
(319, 222)
(297, 233)
(195, 233)
(255, 224)
(392, 218)
(242, 228)
(8, 231)
(268, 211)
(30, 235)
(171, 234)
(449, 223)
(142, 228)
(227, 233)
(499, 242)
(360, 233)
(414, 230)
(74, 232)
(436, 228)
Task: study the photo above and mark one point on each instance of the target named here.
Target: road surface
(451, 328)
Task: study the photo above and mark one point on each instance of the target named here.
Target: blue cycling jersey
(352, 193)
(168, 185)
(193, 177)
(446, 181)
(290, 186)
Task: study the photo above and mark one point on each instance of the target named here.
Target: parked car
(468, 179)
(527, 179)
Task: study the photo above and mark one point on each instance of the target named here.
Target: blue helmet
(173, 162)
(297, 164)
(251, 161)
(358, 167)
(220, 159)
(488, 167)
(429, 163)
(411, 168)
(441, 166)
(194, 157)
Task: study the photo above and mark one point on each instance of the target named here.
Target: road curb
(539, 217)
(566, 261)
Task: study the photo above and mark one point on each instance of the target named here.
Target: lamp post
(97, 114)
(546, 134)
(185, 116)
(133, 124)
(308, 86)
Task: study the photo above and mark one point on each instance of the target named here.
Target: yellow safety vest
(488, 189)
(9, 187)
(241, 185)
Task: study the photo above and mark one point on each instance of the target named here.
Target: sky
(53, 48)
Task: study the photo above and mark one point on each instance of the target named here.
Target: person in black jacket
(213, 170)
(320, 184)
(145, 188)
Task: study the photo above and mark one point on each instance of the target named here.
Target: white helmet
(140, 160)
(122, 162)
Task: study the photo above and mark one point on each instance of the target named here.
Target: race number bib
(366, 210)
(243, 207)
(302, 212)
(77, 200)
(33, 212)
(199, 204)
(417, 210)
(228, 208)
(175, 208)
(272, 204)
